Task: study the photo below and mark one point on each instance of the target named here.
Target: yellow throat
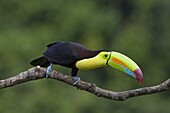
(94, 62)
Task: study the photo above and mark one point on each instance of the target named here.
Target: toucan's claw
(76, 79)
(49, 68)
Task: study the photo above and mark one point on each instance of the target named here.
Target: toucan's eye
(105, 55)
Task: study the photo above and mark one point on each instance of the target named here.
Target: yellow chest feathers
(91, 63)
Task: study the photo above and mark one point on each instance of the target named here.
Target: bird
(77, 57)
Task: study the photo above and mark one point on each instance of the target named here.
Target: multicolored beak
(125, 64)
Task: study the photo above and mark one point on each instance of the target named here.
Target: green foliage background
(137, 28)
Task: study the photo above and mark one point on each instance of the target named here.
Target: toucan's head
(123, 63)
(112, 59)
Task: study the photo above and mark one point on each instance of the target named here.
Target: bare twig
(38, 73)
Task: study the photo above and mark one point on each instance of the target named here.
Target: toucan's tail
(42, 61)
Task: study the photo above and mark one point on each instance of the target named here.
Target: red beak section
(139, 75)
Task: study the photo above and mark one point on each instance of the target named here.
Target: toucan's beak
(125, 64)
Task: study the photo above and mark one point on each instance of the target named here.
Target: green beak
(125, 64)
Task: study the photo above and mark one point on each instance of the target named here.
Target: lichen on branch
(38, 73)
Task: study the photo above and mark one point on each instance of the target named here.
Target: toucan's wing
(53, 43)
(64, 53)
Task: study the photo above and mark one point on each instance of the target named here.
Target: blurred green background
(138, 28)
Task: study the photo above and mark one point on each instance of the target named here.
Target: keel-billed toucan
(76, 56)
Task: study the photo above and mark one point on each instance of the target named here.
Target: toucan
(77, 57)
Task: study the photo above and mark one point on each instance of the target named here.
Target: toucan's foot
(49, 68)
(76, 79)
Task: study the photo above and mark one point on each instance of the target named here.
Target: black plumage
(65, 54)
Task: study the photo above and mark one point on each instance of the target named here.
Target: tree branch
(38, 73)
